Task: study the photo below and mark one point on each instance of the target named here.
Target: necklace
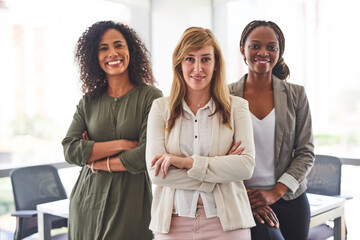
(198, 105)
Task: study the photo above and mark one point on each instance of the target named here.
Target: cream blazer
(218, 173)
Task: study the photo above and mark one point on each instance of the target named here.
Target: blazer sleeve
(176, 178)
(229, 168)
(303, 153)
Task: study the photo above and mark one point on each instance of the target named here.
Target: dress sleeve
(176, 178)
(134, 159)
(303, 154)
(230, 168)
(76, 150)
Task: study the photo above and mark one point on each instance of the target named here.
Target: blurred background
(40, 87)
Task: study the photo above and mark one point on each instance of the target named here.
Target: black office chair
(31, 186)
(325, 179)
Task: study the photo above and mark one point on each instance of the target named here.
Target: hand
(235, 150)
(164, 161)
(85, 136)
(261, 197)
(267, 214)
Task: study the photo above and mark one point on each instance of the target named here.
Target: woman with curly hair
(112, 196)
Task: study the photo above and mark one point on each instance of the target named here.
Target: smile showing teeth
(262, 60)
(197, 77)
(114, 62)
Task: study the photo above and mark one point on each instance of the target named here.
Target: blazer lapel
(173, 145)
(215, 134)
(280, 102)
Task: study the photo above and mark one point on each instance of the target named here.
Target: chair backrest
(35, 185)
(325, 176)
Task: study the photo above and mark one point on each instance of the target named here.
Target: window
(39, 81)
(320, 54)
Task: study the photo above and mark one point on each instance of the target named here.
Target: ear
(242, 50)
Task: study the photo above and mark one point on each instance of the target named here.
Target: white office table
(324, 208)
(46, 211)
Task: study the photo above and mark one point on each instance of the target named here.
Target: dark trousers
(294, 218)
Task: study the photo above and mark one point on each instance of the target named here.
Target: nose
(198, 66)
(263, 52)
(112, 52)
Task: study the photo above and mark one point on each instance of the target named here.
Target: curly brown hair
(281, 70)
(92, 76)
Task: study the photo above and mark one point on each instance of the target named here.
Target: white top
(264, 137)
(195, 136)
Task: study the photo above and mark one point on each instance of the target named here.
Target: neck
(118, 86)
(259, 81)
(196, 100)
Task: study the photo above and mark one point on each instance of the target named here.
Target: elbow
(250, 166)
(154, 179)
(250, 173)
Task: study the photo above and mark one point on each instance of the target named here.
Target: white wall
(169, 20)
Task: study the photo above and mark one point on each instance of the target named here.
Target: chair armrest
(24, 213)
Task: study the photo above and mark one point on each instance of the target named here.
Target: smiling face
(198, 68)
(114, 54)
(261, 50)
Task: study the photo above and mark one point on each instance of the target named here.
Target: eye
(103, 49)
(189, 59)
(254, 46)
(119, 45)
(273, 48)
(206, 59)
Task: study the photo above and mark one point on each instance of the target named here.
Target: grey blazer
(294, 147)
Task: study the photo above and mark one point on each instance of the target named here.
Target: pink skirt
(201, 227)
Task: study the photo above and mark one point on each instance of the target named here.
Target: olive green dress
(114, 205)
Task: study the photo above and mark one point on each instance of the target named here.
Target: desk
(46, 211)
(324, 208)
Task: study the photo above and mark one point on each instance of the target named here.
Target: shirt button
(115, 99)
(195, 136)
(195, 120)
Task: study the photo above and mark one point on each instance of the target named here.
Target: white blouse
(195, 137)
(264, 137)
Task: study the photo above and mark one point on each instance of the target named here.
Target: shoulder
(160, 107)
(85, 101)
(296, 93)
(150, 90)
(293, 91)
(237, 88)
(295, 88)
(238, 102)
(162, 102)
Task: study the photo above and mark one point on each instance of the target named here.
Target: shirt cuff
(289, 181)
(199, 167)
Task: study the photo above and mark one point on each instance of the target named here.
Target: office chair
(325, 179)
(31, 186)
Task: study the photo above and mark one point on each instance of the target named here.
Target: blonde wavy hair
(193, 39)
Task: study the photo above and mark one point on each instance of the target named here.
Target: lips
(198, 78)
(112, 63)
(262, 60)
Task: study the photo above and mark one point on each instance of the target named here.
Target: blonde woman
(199, 190)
